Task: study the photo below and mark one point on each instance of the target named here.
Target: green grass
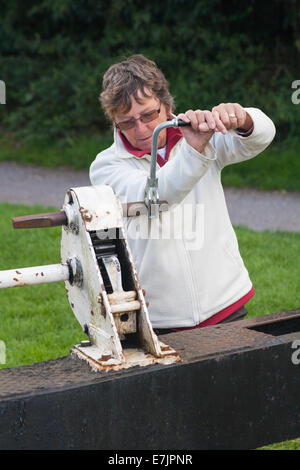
(278, 167)
(272, 259)
(37, 323)
(293, 444)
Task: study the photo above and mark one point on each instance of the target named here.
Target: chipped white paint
(33, 275)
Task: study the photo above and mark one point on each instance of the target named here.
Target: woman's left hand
(232, 116)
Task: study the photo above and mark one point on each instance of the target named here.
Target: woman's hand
(221, 118)
(233, 116)
(203, 125)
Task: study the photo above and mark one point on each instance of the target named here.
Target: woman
(198, 278)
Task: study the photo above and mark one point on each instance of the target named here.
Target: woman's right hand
(203, 125)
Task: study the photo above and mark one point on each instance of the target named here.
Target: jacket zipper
(191, 282)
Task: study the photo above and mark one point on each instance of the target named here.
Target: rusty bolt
(104, 357)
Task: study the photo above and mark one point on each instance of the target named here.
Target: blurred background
(53, 54)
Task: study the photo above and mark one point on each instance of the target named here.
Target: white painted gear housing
(95, 225)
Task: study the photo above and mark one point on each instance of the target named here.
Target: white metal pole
(34, 275)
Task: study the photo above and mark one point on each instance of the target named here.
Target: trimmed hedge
(54, 54)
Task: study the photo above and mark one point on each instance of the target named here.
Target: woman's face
(140, 135)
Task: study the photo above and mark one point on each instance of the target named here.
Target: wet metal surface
(229, 338)
(235, 388)
(192, 345)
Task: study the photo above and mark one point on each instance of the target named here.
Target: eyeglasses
(147, 117)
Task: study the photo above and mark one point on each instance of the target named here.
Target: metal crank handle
(181, 123)
(51, 219)
(151, 191)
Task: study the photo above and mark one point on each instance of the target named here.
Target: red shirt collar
(173, 136)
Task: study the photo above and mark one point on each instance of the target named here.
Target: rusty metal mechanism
(101, 280)
(99, 273)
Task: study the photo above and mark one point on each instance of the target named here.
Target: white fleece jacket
(188, 260)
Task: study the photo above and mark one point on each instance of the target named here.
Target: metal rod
(34, 275)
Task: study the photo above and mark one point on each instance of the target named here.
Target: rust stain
(105, 357)
(100, 302)
(92, 313)
(15, 279)
(166, 348)
(86, 215)
(18, 272)
(132, 360)
(137, 281)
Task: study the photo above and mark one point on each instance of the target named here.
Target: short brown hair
(126, 78)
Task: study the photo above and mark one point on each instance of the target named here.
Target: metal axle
(41, 275)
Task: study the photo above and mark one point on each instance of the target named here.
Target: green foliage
(76, 152)
(54, 54)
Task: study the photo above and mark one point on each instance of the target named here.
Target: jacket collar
(126, 150)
